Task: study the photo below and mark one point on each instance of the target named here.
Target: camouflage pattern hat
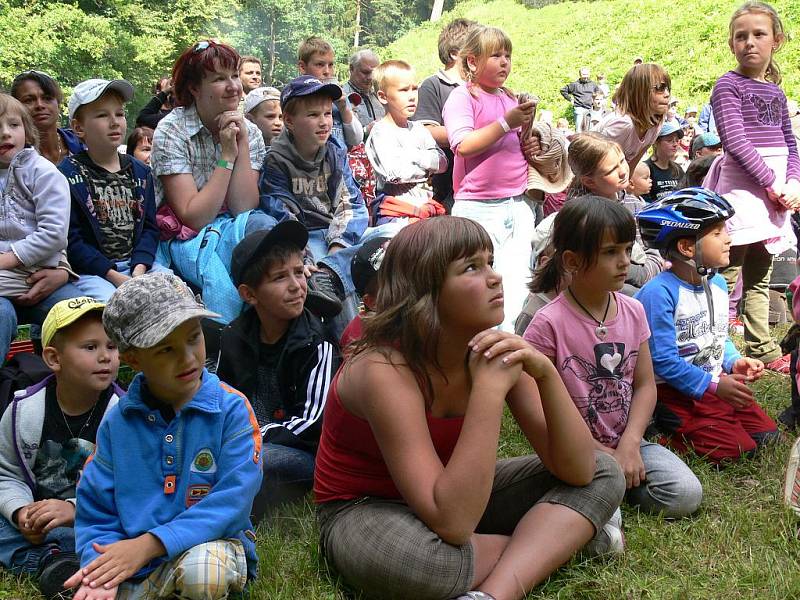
(146, 309)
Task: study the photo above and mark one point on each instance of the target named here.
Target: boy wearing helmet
(704, 402)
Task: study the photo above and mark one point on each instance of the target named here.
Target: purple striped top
(752, 114)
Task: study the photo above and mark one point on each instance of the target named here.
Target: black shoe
(55, 570)
(325, 295)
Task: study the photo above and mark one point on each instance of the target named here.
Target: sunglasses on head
(200, 46)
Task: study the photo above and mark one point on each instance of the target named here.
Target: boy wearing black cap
(277, 354)
(306, 177)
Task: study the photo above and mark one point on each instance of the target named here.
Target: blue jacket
(320, 193)
(84, 250)
(71, 140)
(186, 482)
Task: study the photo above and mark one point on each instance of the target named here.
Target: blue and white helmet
(682, 213)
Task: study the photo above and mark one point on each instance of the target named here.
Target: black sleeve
(429, 104)
(150, 114)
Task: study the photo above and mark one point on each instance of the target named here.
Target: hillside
(688, 37)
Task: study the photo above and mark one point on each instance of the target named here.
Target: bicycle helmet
(682, 213)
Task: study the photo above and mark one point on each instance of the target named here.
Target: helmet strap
(705, 274)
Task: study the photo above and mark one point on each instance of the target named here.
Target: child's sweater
(686, 351)
(34, 211)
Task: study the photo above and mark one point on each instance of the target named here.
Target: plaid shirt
(182, 144)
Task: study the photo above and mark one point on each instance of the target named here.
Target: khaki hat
(65, 313)
(549, 170)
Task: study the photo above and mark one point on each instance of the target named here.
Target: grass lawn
(742, 543)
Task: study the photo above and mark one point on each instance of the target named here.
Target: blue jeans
(101, 288)
(18, 555)
(671, 487)
(288, 476)
(580, 118)
(11, 315)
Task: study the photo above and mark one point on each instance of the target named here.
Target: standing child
(665, 173)
(597, 339)
(262, 106)
(403, 153)
(46, 435)
(490, 173)
(760, 171)
(703, 400)
(641, 101)
(163, 506)
(112, 232)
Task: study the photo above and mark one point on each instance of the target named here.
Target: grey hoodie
(20, 434)
(34, 211)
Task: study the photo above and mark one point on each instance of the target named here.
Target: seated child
(541, 293)
(163, 506)
(403, 153)
(262, 106)
(276, 353)
(597, 339)
(112, 231)
(365, 266)
(47, 434)
(306, 177)
(35, 205)
(664, 171)
(704, 402)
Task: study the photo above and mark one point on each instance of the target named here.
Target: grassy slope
(688, 37)
(742, 544)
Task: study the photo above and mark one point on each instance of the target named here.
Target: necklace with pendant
(85, 423)
(601, 330)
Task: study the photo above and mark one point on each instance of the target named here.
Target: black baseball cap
(258, 243)
(367, 262)
(305, 85)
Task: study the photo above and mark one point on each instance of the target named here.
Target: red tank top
(349, 462)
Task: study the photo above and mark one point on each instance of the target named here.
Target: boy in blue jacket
(164, 502)
(112, 230)
(704, 402)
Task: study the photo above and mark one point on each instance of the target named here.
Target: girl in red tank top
(406, 468)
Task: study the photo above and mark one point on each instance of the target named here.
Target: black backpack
(21, 371)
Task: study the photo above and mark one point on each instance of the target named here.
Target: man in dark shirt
(579, 93)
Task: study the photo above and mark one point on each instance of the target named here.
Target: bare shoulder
(375, 377)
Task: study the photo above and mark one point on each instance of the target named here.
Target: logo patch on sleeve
(195, 493)
(204, 462)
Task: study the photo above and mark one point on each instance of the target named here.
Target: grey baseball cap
(91, 89)
(146, 309)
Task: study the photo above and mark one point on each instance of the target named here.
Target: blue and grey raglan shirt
(686, 352)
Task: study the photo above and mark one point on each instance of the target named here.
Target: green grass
(688, 37)
(742, 543)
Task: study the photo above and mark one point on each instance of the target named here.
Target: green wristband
(225, 164)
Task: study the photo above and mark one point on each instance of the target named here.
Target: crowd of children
(285, 209)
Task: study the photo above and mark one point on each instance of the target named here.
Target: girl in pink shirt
(641, 100)
(598, 340)
(490, 174)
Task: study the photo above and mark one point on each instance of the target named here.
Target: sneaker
(609, 540)
(780, 365)
(791, 487)
(735, 326)
(55, 570)
(325, 294)
(475, 595)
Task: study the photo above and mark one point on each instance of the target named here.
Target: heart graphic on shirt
(610, 361)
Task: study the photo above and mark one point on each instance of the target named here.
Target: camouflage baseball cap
(146, 309)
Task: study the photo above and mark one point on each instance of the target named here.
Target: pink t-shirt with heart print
(598, 373)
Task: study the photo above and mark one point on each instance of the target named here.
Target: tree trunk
(436, 11)
(271, 47)
(358, 24)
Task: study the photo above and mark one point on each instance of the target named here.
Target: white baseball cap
(91, 89)
(259, 95)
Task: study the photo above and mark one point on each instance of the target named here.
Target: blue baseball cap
(705, 140)
(305, 85)
(671, 127)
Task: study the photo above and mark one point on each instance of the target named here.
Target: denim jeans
(510, 223)
(18, 555)
(754, 263)
(580, 118)
(671, 487)
(288, 476)
(101, 288)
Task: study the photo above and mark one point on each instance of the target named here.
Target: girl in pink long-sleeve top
(760, 171)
